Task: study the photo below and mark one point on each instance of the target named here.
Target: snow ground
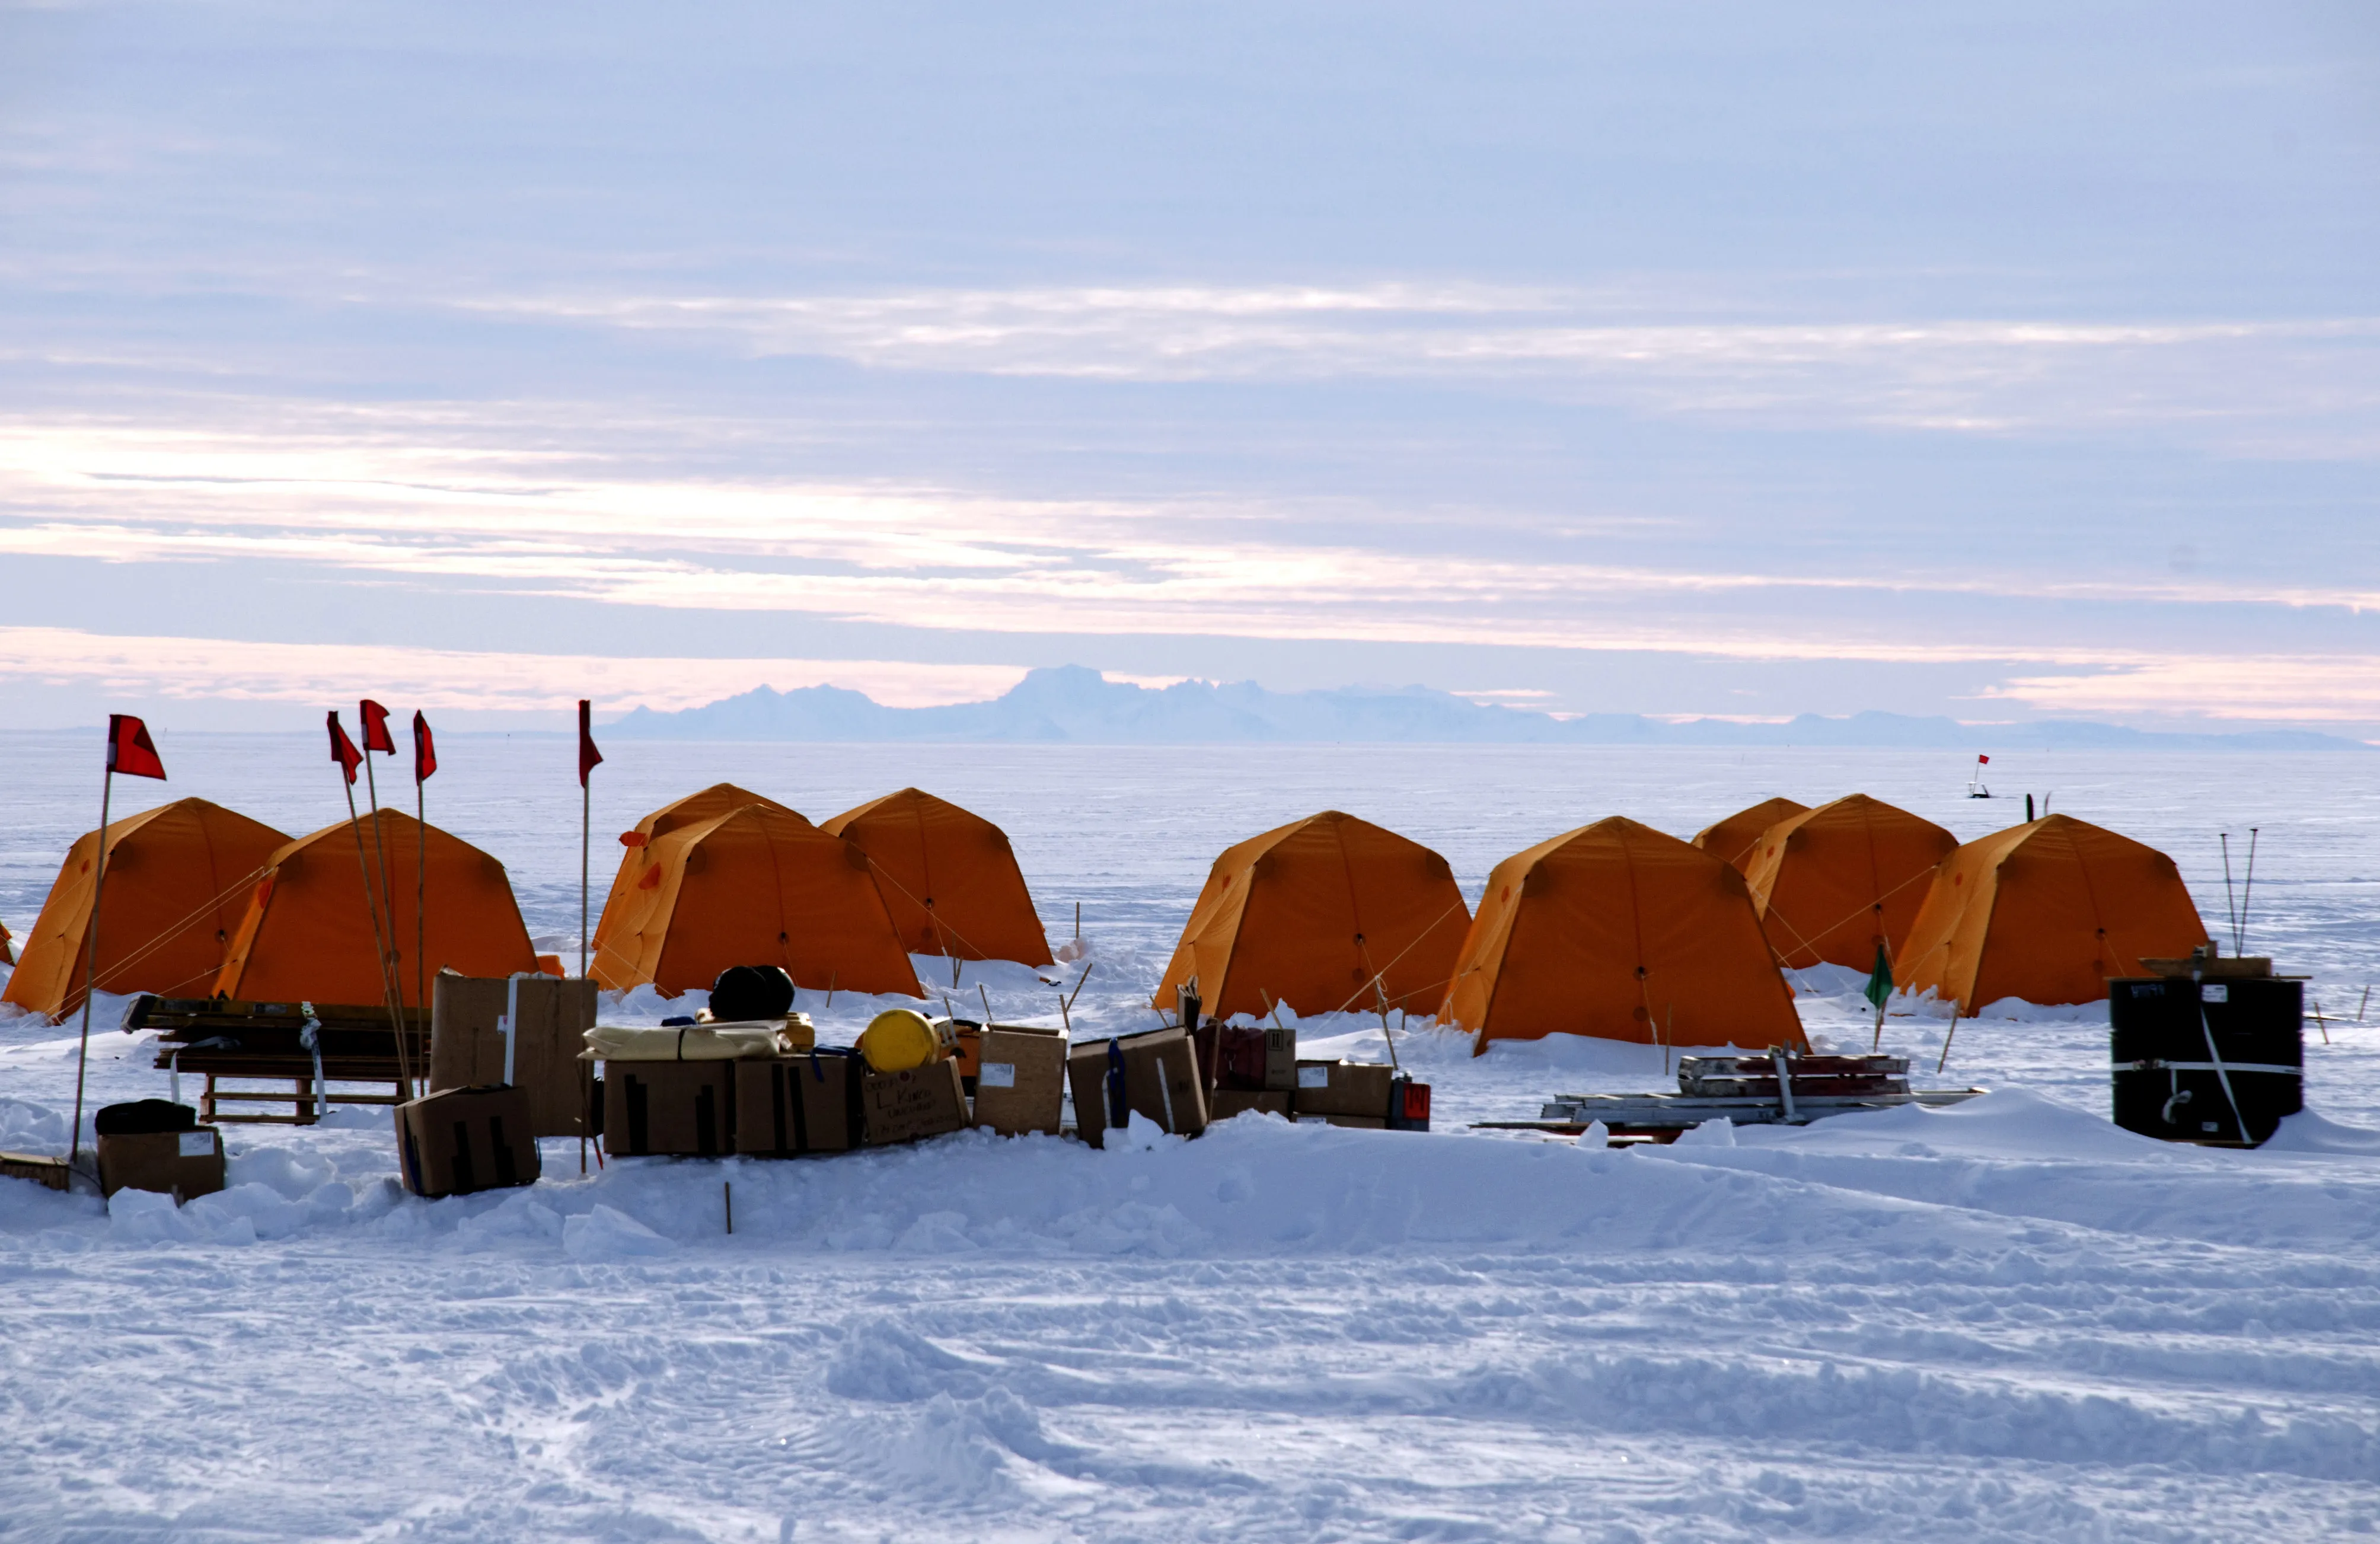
(2003, 1320)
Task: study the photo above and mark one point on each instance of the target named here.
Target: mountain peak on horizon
(1074, 704)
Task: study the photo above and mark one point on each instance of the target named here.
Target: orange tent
(756, 885)
(308, 935)
(2047, 912)
(1835, 882)
(1311, 914)
(1618, 931)
(715, 800)
(177, 883)
(1737, 837)
(949, 877)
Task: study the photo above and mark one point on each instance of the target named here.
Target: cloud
(2308, 383)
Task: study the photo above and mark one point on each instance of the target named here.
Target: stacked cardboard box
(656, 1108)
(1248, 1068)
(151, 1144)
(1020, 1079)
(790, 1105)
(1155, 1073)
(911, 1105)
(1344, 1093)
(551, 1017)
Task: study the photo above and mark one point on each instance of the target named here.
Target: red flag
(425, 750)
(343, 749)
(589, 757)
(129, 748)
(374, 719)
(1983, 761)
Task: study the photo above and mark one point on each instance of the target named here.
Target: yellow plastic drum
(898, 1039)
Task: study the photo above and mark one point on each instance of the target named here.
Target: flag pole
(390, 969)
(585, 820)
(391, 994)
(420, 898)
(90, 960)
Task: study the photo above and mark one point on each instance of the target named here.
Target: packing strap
(2274, 1068)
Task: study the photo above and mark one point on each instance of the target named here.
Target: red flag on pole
(343, 749)
(1983, 761)
(589, 757)
(374, 719)
(129, 748)
(425, 750)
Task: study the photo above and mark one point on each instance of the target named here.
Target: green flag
(1879, 981)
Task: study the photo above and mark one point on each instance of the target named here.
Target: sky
(1684, 358)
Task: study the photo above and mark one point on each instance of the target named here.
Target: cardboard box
(1224, 1103)
(182, 1164)
(1343, 1088)
(1360, 1122)
(467, 1046)
(1160, 1076)
(909, 1106)
(796, 1105)
(684, 1108)
(1249, 1056)
(1408, 1105)
(460, 1141)
(1020, 1080)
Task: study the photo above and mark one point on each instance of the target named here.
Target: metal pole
(91, 962)
(391, 996)
(389, 969)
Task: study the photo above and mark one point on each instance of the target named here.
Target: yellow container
(901, 1039)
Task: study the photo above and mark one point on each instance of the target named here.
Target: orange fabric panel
(1619, 932)
(758, 886)
(1308, 914)
(1832, 883)
(2047, 912)
(949, 877)
(1736, 837)
(178, 879)
(307, 934)
(636, 862)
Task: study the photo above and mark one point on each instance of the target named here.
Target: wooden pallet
(221, 1040)
(1663, 1116)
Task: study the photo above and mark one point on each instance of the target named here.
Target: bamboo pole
(91, 962)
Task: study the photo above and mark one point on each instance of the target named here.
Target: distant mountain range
(1074, 704)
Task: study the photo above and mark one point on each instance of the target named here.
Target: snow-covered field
(2007, 1320)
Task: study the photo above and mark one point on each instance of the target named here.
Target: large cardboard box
(1224, 1103)
(182, 1164)
(789, 1105)
(1020, 1082)
(1161, 1076)
(682, 1108)
(467, 1046)
(1343, 1088)
(460, 1141)
(909, 1106)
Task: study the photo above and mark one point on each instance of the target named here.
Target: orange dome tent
(307, 934)
(1618, 931)
(179, 881)
(1837, 883)
(756, 885)
(1312, 914)
(2047, 912)
(1737, 836)
(715, 800)
(949, 877)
